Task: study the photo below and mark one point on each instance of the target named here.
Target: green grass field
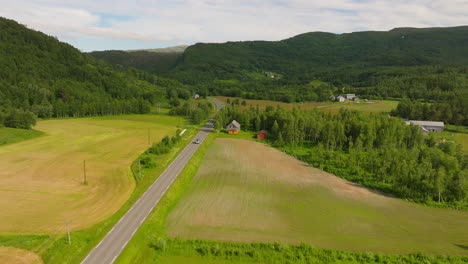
(458, 134)
(248, 192)
(42, 178)
(12, 135)
(375, 106)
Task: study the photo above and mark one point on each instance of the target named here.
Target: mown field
(375, 106)
(10, 255)
(248, 192)
(41, 180)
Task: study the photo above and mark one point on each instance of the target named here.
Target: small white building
(350, 96)
(340, 98)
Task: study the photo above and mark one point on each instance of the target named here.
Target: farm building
(196, 96)
(428, 126)
(332, 97)
(233, 127)
(350, 96)
(340, 98)
(262, 134)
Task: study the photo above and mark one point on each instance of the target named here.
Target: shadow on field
(462, 246)
(357, 184)
(372, 190)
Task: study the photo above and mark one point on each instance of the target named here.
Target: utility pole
(149, 137)
(68, 230)
(84, 172)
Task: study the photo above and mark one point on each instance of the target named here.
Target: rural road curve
(117, 238)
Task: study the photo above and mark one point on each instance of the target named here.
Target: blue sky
(121, 24)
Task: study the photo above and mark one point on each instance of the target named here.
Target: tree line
(375, 150)
(453, 112)
(196, 111)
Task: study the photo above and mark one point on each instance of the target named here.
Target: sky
(121, 24)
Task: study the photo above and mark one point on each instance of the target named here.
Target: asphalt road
(117, 238)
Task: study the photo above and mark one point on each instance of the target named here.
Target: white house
(350, 96)
(340, 98)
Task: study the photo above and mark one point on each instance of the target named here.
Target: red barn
(262, 135)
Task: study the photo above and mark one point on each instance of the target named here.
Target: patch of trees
(17, 118)
(196, 111)
(374, 150)
(165, 145)
(147, 160)
(453, 112)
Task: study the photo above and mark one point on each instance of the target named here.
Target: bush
(147, 162)
(160, 244)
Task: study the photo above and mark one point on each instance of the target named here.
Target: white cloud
(190, 21)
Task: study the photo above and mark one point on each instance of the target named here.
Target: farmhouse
(350, 96)
(428, 126)
(340, 98)
(262, 134)
(233, 127)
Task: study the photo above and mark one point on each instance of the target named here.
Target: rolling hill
(41, 76)
(311, 54)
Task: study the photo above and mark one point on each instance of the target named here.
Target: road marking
(99, 243)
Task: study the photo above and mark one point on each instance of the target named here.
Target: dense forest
(375, 150)
(351, 58)
(42, 77)
(453, 111)
(150, 61)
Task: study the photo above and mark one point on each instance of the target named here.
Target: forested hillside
(40, 76)
(151, 61)
(426, 64)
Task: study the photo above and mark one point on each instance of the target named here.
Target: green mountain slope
(40, 75)
(152, 61)
(430, 64)
(312, 53)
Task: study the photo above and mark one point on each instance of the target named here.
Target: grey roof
(427, 123)
(235, 123)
